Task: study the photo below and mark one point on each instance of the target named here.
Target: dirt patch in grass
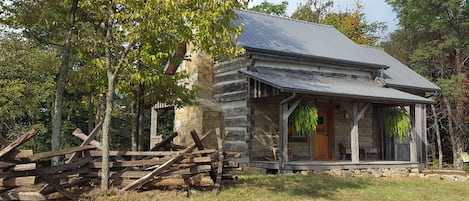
(116, 195)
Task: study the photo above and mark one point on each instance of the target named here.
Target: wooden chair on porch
(371, 150)
(345, 151)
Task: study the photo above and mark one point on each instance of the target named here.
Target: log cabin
(289, 62)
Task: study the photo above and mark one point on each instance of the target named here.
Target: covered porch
(350, 134)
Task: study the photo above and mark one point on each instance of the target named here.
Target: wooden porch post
(355, 114)
(283, 141)
(285, 112)
(354, 144)
(153, 126)
(420, 124)
(413, 141)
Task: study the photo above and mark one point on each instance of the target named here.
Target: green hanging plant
(397, 122)
(304, 119)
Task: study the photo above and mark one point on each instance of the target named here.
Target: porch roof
(308, 82)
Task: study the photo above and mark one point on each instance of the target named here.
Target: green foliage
(397, 122)
(434, 32)
(42, 20)
(433, 41)
(26, 84)
(304, 119)
(353, 25)
(350, 23)
(271, 8)
(312, 10)
(165, 122)
(145, 35)
(452, 87)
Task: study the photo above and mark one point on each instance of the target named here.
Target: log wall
(343, 126)
(265, 132)
(230, 91)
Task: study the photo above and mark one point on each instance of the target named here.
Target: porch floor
(337, 164)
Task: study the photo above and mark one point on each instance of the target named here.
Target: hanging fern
(304, 119)
(397, 122)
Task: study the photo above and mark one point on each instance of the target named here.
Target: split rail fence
(166, 165)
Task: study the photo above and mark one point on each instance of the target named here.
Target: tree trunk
(109, 95)
(438, 138)
(455, 146)
(134, 125)
(106, 127)
(141, 102)
(57, 112)
(91, 119)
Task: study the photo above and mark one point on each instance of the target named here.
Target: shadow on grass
(305, 186)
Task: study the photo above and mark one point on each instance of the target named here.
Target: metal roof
(308, 82)
(398, 74)
(278, 34)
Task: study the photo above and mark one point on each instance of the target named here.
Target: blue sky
(375, 10)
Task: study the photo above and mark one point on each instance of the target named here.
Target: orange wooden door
(321, 143)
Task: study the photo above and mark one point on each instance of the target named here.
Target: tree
(440, 53)
(272, 9)
(353, 25)
(313, 10)
(158, 28)
(350, 23)
(26, 87)
(59, 94)
(47, 28)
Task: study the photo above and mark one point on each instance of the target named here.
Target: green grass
(275, 187)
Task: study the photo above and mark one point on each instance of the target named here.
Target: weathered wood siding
(230, 91)
(265, 130)
(308, 67)
(343, 126)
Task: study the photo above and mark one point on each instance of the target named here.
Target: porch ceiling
(307, 82)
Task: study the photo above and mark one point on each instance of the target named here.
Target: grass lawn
(275, 187)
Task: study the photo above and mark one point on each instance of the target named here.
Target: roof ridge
(285, 18)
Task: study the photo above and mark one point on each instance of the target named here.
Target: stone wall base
(367, 173)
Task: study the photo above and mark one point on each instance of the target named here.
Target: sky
(375, 10)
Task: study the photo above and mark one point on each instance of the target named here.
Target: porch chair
(371, 150)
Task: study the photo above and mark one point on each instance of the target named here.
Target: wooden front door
(321, 140)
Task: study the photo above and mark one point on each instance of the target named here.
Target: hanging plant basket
(304, 119)
(397, 123)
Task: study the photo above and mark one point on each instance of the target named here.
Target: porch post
(413, 140)
(283, 146)
(420, 132)
(285, 112)
(354, 144)
(422, 129)
(153, 126)
(355, 114)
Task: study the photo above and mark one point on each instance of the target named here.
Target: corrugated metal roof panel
(272, 33)
(398, 74)
(310, 83)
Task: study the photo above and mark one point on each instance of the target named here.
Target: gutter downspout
(283, 125)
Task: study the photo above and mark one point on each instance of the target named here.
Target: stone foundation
(366, 173)
(387, 172)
